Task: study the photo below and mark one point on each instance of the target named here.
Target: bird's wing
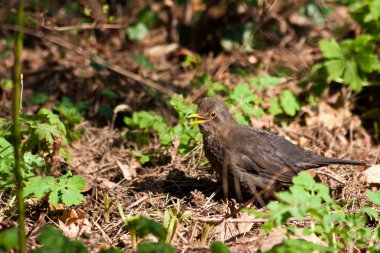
(267, 154)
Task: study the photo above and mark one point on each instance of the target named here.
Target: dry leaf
(129, 172)
(371, 175)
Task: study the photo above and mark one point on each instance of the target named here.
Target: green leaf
(9, 240)
(351, 76)
(371, 212)
(45, 132)
(143, 158)
(369, 63)
(39, 98)
(335, 68)
(53, 241)
(299, 245)
(219, 247)
(289, 103)
(274, 108)
(111, 250)
(237, 36)
(143, 61)
(137, 32)
(304, 179)
(147, 226)
(241, 119)
(262, 82)
(216, 87)
(5, 146)
(374, 197)
(33, 161)
(147, 17)
(70, 111)
(110, 94)
(242, 94)
(148, 247)
(330, 49)
(374, 9)
(40, 187)
(182, 107)
(71, 190)
(55, 196)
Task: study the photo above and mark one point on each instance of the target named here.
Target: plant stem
(17, 79)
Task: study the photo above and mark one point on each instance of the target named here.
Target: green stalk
(16, 127)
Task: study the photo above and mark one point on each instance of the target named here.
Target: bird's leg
(237, 189)
(225, 176)
(257, 195)
(225, 180)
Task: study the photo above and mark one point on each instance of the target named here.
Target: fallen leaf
(371, 175)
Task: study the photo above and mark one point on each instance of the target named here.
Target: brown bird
(254, 157)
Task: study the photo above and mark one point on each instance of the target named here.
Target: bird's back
(267, 154)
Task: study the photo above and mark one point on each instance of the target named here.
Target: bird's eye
(213, 114)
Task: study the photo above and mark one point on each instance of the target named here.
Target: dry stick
(97, 59)
(102, 231)
(332, 176)
(86, 26)
(215, 220)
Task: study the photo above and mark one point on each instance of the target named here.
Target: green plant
(9, 240)
(188, 136)
(139, 227)
(349, 62)
(30, 163)
(338, 229)
(42, 129)
(219, 247)
(367, 14)
(41, 132)
(192, 61)
(52, 240)
(70, 114)
(172, 217)
(143, 61)
(206, 231)
(146, 121)
(143, 122)
(145, 21)
(353, 61)
(65, 189)
(244, 103)
(108, 204)
(39, 98)
(262, 82)
(236, 36)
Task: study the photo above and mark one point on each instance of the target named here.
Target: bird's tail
(322, 160)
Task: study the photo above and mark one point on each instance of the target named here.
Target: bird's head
(212, 113)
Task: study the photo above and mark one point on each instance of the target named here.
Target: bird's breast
(214, 150)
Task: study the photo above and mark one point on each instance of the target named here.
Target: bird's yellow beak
(201, 119)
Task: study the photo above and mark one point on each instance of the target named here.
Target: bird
(254, 157)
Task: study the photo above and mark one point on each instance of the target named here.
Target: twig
(229, 220)
(136, 203)
(87, 26)
(96, 59)
(102, 231)
(332, 176)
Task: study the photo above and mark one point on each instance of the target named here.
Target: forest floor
(61, 64)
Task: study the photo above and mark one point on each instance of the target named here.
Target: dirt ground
(62, 64)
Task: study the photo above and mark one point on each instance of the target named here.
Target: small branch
(97, 59)
(86, 26)
(217, 220)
